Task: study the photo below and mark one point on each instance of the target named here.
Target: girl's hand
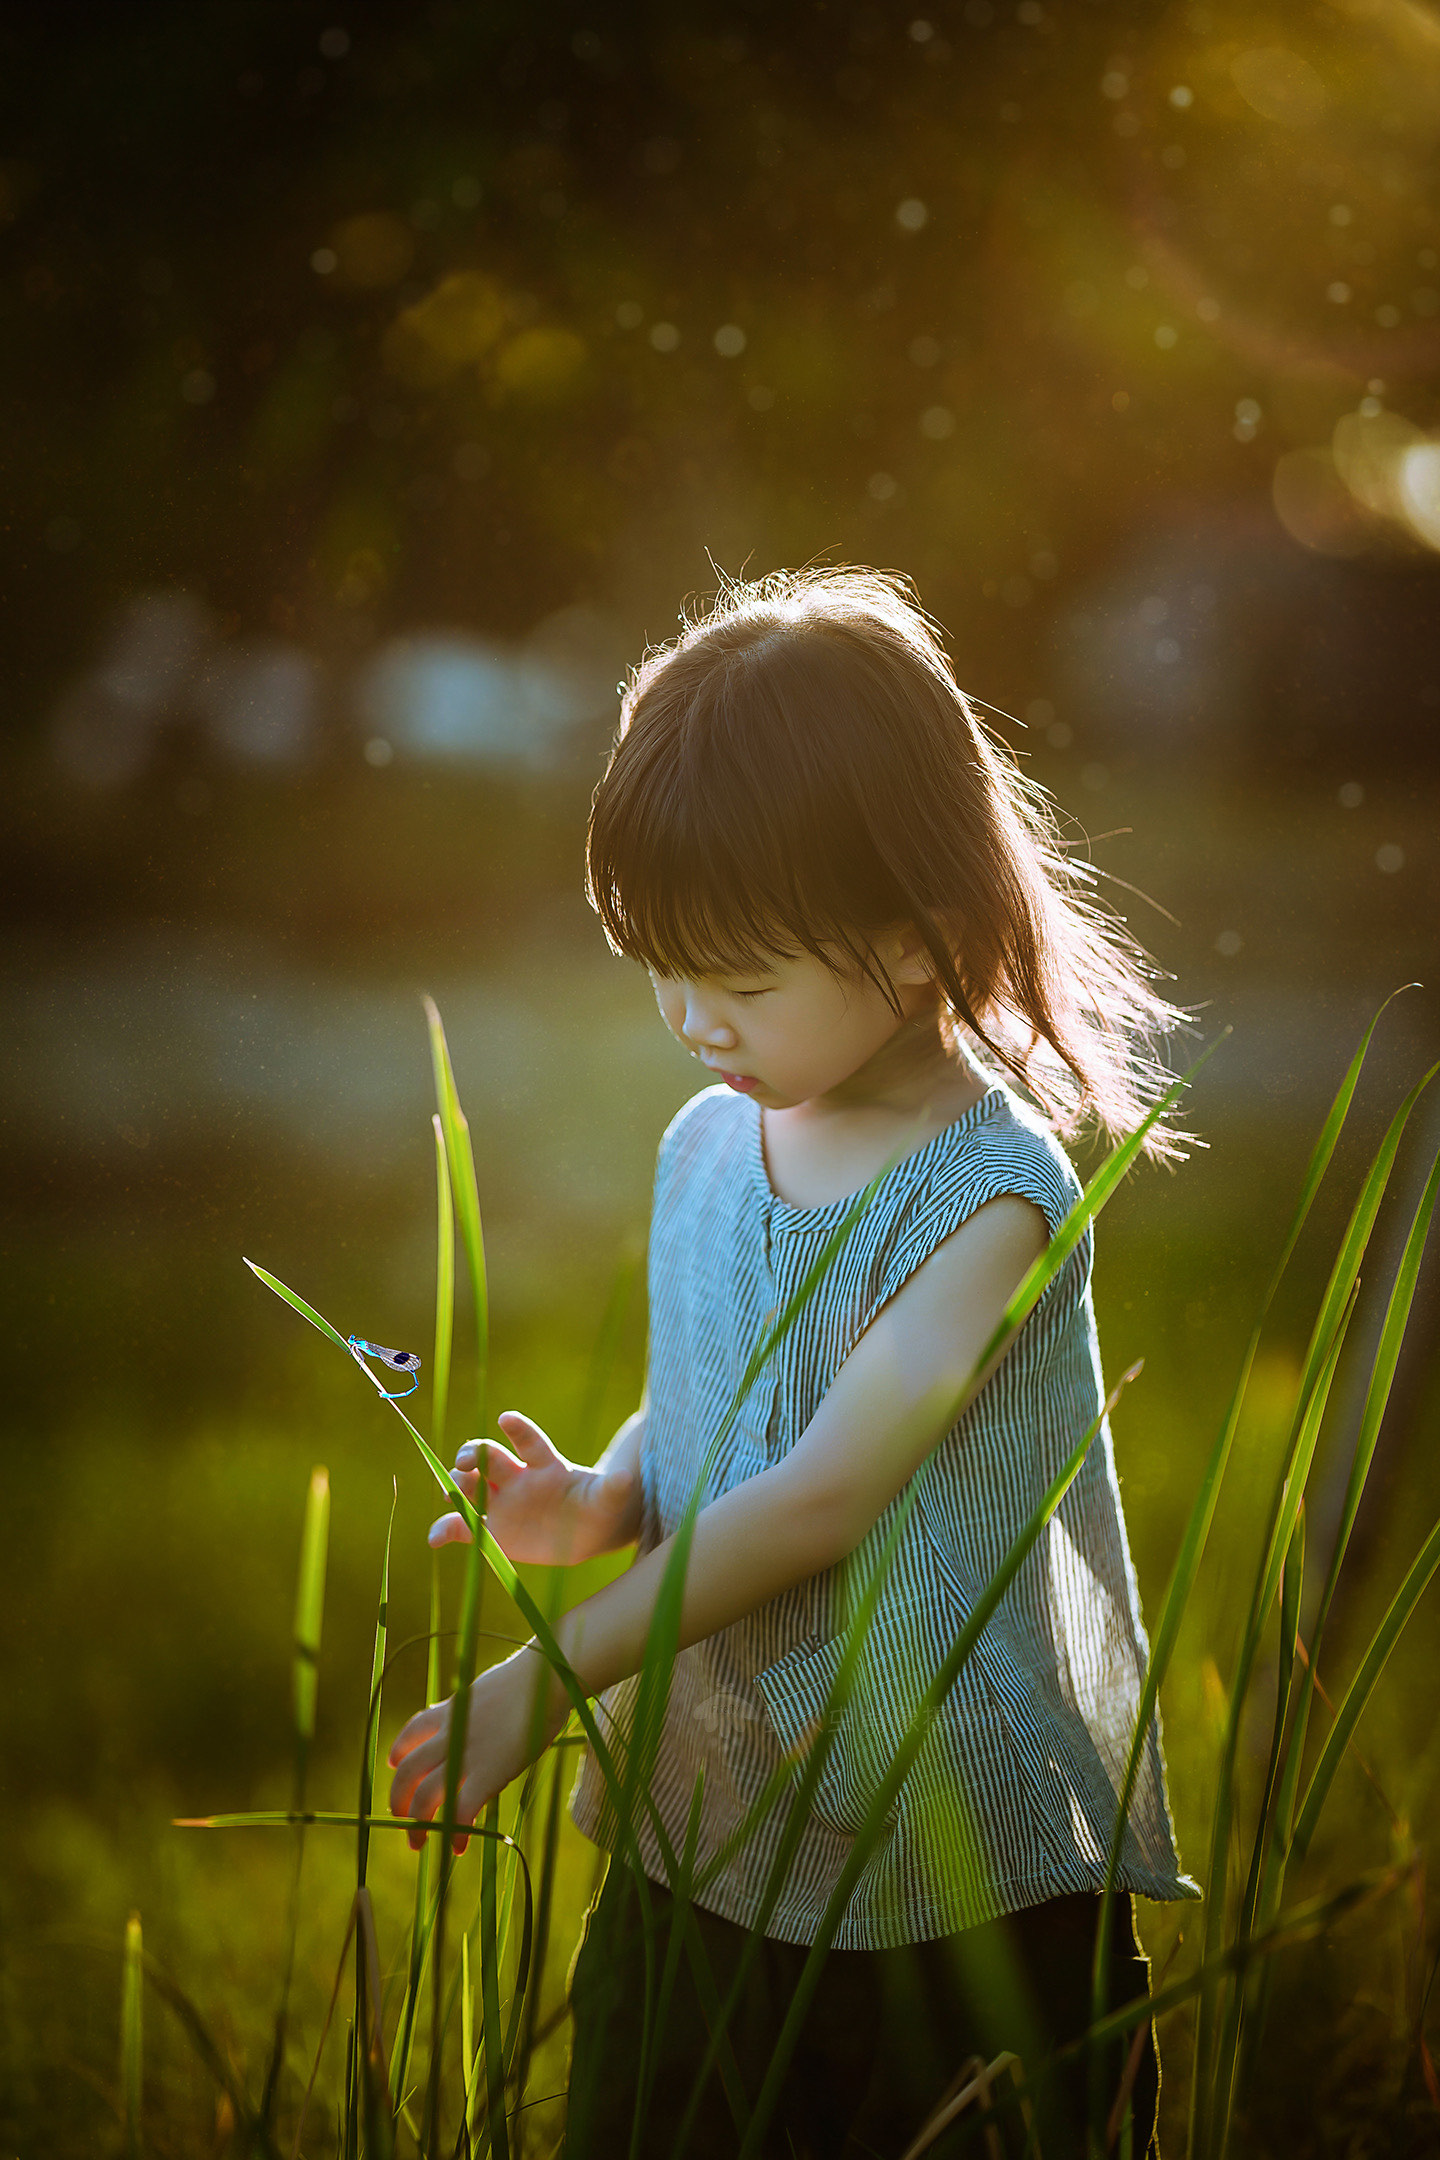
(504, 1733)
(541, 1507)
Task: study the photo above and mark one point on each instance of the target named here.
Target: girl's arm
(896, 1395)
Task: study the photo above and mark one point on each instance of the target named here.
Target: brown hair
(800, 770)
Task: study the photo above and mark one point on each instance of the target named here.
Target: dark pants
(886, 2033)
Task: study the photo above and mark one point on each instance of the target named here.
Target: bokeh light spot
(1182, 97)
(542, 363)
(730, 341)
(664, 336)
(372, 250)
(1338, 292)
(629, 315)
(882, 487)
(334, 43)
(1351, 795)
(1418, 490)
(324, 261)
(911, 214)
(1229, 943)
(378, 752)
(1280, 85)
(937, 423)
(197, 387)
(1389, 858)
(1167, 337)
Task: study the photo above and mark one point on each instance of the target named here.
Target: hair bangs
(691, 891)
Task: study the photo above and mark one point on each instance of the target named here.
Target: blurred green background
(376, 383)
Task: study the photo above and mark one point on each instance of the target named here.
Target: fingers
(499, 1465)
(429, 1797)
(532, 1445)
(423, 1727)
(448, 1530)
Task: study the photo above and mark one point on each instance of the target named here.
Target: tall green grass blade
(444, 1289)
(1377, 1396)
(1336, 1306)
(370, 1753)
(461, 1158)
(454, 1767)
(306, 1312)
(132, 2036)
(369, 1756)
(305, 1682)
(467, 2027)
(493, 2041)
(423, 1917)
(549, 1857)
(1202, 1513)
(1238, 2000)
(934, 1695)
(1294, 1469)
(1362, 1687)
(309, 1619)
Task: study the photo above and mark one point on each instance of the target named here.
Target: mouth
(743, 1083)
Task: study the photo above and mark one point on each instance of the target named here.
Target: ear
(906, 956)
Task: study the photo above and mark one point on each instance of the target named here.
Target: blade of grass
(309, 1618)
(132, 2035)
(1335, 1307)
(369, 1754)
(1202, 1513)
(461, 1159)
(1362, 1687)
(423, 1917)
(1294, 1469)
(1239, 2000)
(454, 1765)
(1377, 1396)
(492, 2033)
(444, 1289)
(467, 2029)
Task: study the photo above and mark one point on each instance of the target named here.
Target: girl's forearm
(748, 1546)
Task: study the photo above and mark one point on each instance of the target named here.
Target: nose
(702, 1027)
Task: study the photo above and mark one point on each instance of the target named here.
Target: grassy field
(154, 1559)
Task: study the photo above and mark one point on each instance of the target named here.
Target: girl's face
(795, 1031)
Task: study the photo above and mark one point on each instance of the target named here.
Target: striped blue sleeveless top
(1012, 1797)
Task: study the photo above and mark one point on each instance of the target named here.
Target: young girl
(856, 915)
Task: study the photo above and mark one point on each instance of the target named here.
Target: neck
(911, 1073)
